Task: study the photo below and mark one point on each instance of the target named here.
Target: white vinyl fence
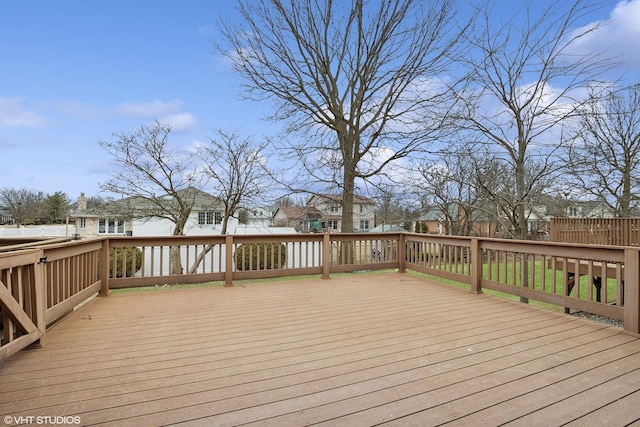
(39, 231)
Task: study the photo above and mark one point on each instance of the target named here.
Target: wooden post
(475, 257)
(228, 269)
(104, 268)
(40, 296)
(401, 253)
(632, 291)
(326, 255)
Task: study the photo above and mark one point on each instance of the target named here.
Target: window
(364, 224)
(333, 224)
(362, 209)
(209, 218)
(334, 208)
(110, 226)
(83, 223)
(205, 218)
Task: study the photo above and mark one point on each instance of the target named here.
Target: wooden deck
(356, 350)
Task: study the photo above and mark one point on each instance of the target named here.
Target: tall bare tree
(526, 81)
(605, 155)
(352, 79)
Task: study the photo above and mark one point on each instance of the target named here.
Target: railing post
(632, 291)
(40, 296)
(104, 268)
(401, 253)
(475, 257)
(326, 255)
(228, 269)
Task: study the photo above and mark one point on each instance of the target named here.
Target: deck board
(358, 349)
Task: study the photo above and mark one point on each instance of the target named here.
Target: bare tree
(153, 175)
(495, 184)
(395, 206)
(525, 71)
(355, 81)
(22, 204)
(237, 171)
(605, 155)
(237, 176)
(158, 181)
(451, 187)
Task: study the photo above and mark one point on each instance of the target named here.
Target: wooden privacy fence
(39, 286)
(596, 231)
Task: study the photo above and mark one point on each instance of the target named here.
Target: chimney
(82, 202)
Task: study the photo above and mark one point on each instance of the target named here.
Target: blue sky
(72, 72)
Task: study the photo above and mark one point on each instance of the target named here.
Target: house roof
(201, 201)
(295, 212)
(431, 215)
(361, 200)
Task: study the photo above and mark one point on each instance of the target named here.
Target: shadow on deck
(361, 349)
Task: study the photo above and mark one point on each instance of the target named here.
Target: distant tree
(352, 79)
(57, 206)
(450, 185)
(605, 155)
(524, 69)
(393, 207)
(98, 202)
(22, 204)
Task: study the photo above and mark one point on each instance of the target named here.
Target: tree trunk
(347, 202)
(176, 257)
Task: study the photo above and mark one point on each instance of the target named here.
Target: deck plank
(358, 349)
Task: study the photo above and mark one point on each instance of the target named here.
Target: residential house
(330, 206)
(256, 216)
(432, 222)
(538, 217)
(459, 221)
(301, 218)
(5, 217)
(132, 216)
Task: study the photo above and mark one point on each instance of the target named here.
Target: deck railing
(39, 286)
(596, 231)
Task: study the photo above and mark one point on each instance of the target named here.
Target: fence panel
(21, 317)
(148, 261)
(443, 256)
(596, 231)
(575, 277)
(71, 276)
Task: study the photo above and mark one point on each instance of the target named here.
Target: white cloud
(180, 121)
(618, 37)
(14, 114)
(149, 109)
